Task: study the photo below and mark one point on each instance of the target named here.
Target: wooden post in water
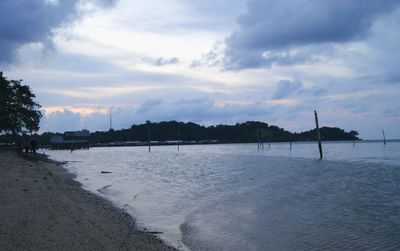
(384, 138)
(149, 140)
(179, 138)
(269, 146)
(258, 140)
(290, 140)
(318, 135)
(262, 138)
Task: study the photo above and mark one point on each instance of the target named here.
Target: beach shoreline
(42, 207)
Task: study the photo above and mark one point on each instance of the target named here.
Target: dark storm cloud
(28, 21)
(270, 29)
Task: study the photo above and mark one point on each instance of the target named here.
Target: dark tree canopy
(18, 111)
(250, 131)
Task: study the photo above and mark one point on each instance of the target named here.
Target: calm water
(235, 197)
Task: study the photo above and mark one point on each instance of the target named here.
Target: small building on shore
(71, 140)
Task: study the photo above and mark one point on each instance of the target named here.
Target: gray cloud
(61, 121)
(185, 16)
(392, 111)
(286, 88)
(67, 121)
(212, 15)
(149, 105)
(316, 91)
(311, 31)
(202, 111)
(280, 31)
(161, 61)
(30, 21)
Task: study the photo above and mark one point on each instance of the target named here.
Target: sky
(208, 62)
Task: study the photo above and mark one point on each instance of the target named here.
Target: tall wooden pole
(179, 138)
(384, 138)
(290, 142)
(149, 140)
(318, 135)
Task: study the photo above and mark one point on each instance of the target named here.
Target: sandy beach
(43, 208)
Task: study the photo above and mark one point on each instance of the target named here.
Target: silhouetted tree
(18, 110)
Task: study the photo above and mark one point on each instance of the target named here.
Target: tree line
(251, 131)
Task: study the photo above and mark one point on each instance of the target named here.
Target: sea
(245, 197)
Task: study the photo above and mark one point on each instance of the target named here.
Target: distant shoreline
(42, 207)
(160, 143)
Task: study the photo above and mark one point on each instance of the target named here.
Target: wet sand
(41, 207)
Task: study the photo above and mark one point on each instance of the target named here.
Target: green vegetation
(327, 133)
(247, 132)
(250, 131)
(18, 111)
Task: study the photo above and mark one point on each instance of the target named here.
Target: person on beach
(19, 145)
(33, 144)
(25, 146)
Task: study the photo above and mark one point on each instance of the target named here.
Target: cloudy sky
(209, 62)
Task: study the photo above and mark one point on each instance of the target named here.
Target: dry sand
(42, 208)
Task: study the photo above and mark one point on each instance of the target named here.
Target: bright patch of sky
(208, 62)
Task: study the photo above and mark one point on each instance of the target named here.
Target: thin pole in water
(149, 140)
(384, 138)
(179, 138)
(290, 141)
(318, 135)
(262, 139)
